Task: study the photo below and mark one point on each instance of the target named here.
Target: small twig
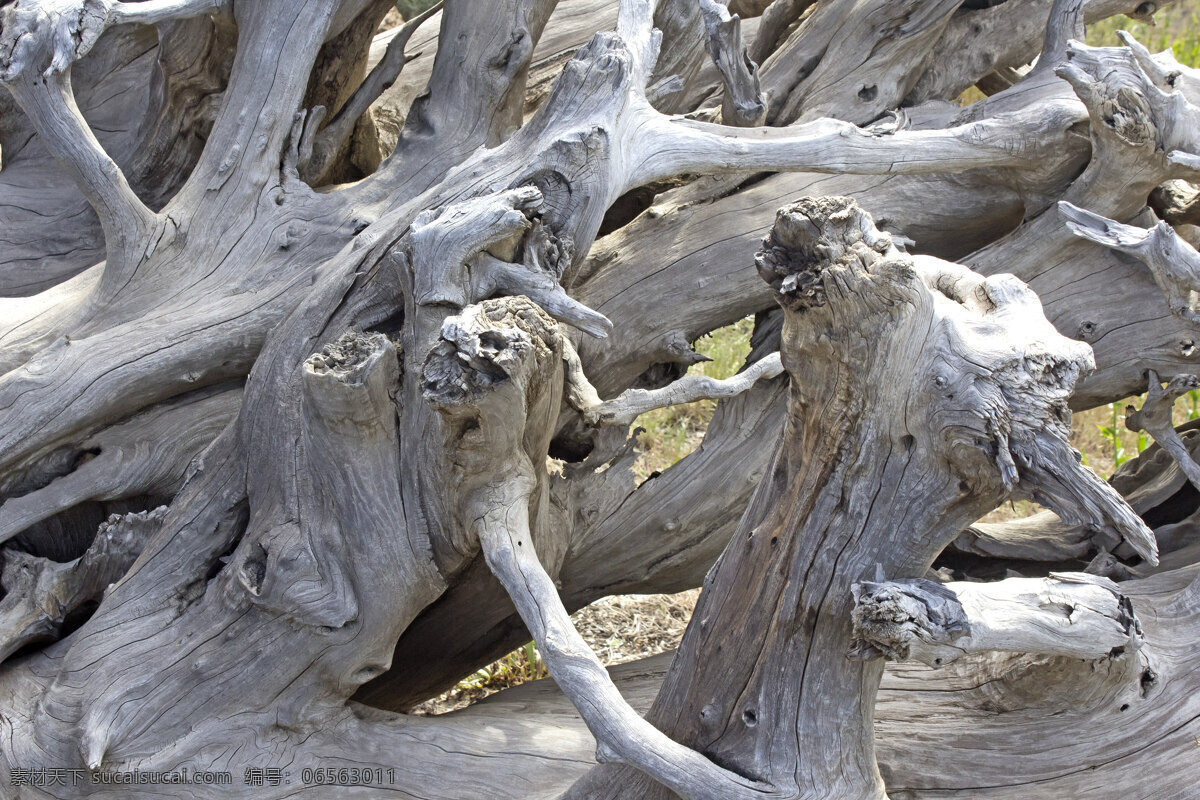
(627, 407)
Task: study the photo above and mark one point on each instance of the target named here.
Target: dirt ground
(619, 628)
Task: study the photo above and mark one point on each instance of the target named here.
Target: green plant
(521, 665)
(669, 434)
(1112, 432)
(1176, 27)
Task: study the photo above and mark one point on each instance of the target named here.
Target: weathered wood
(334, 535)
(40, 593)
(856, 489)
(1068, 614)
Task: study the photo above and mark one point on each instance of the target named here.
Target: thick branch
(468, 104)
(775, 20)
(1173, 262)
(41, 593)
(673, 147)
(1068, 614)
(1065, 24)
(981, 41)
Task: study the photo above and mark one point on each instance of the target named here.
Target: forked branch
(1173, 262)
(1154, 418)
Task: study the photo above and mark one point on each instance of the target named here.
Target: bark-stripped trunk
(293, 321)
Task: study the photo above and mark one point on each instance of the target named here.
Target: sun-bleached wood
(1068, 614)
(227, 294)
(855, 491)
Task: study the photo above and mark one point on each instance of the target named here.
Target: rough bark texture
(318, 350)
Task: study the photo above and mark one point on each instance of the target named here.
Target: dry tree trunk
(320, 388)
(922, 394)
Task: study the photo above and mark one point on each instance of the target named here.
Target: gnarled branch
(1154, 417)
(1068, 614)
(1173, 262)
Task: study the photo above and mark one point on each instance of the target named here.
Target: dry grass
(671, 433)
(619, 628)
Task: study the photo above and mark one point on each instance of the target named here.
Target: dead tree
(303, 317)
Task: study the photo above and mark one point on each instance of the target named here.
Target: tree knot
(810, 236)
(506, 339)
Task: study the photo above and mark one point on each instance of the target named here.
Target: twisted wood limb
(499, 366)
(1066, 614)
(1154, 417)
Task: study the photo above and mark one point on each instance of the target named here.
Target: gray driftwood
(347, 330)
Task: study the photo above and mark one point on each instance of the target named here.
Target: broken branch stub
(922, 394)
(1075, 615)
(1173, 262)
